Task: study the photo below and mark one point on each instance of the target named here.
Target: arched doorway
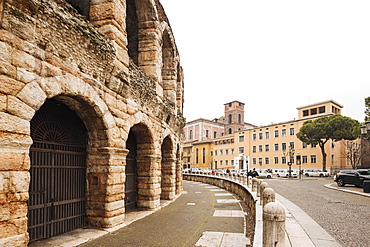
(131, 174)
(57, 201)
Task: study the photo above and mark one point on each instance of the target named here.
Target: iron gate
(57, 202)
(131, 174)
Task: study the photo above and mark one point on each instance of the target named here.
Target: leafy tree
(321, 130)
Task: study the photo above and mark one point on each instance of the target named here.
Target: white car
(264, 174)
(315, 173)
(285, 174)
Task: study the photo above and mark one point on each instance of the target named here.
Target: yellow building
(267, 147)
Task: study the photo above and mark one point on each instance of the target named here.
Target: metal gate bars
(57, 201)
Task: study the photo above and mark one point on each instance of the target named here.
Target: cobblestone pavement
(344, 215)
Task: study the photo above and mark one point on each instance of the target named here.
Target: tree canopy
(334, 127)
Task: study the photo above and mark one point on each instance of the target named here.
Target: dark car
(355, 177)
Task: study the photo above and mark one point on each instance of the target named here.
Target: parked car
(315, 173)
(355, 177)
(195, 170)
(285, 173)
(264, 174)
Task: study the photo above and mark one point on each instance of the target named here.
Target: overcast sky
(272, 55)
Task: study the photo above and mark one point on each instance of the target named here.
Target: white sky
(272, 55)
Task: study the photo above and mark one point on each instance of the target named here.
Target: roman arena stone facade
(87, 90)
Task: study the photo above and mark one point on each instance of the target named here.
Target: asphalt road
(345, 216)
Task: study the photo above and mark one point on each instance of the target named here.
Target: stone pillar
(254, 184)
(274, 225)
(178, 177)
(259, 181)
(268, 195)
(105, 193)
(149, 181)
(168, 178)
(263, 186)
(249, 182)
(15, 162)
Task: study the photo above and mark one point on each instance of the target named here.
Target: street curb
(329, 186)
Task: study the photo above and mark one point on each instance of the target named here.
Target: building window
(215, 134)
(305, 113)
(260, 161)
(322, 109)
(291, 145)
(283, 160)
(276, 147)
(291, 131)
(276, 160)
(254, 137)
(241, 138)
(191, 134)
(276, 133)
(260, 136)
(196, 156)
(260, 148)
(304, 145)
(267, 148)
(221, 151)
(230, 131)
(232, 151)
(304, 159)
(267, 135)
(283, 132)
(313, 111)
(226, 151)
(207, 133)
(204, 155)
(283, 146)
(254, 161)
(241, 150)
(220, 162)
(267, 161)
(239, 118)
(313, 159)
(230, 118)
(226, 162)
(313, 145)
(254, 149)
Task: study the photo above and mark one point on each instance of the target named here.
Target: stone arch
(103, 148)
(168, 169)
(147, 168)
(169, 64)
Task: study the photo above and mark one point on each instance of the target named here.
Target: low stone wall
(236, 185)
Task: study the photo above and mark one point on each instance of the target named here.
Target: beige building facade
(266, 147)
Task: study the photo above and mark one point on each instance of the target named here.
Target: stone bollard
(254, 184)
(273, 225)
(268, 195)
(259, 181)
(244, 180)
(249, 182)
(263, 186)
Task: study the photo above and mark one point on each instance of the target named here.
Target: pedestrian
(254, 173)
(250, 173)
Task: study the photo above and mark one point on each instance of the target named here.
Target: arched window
(230, 131)
(239, 118)
(191, 134)
(230, 118)
(204, 155)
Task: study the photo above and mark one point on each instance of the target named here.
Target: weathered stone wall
(49, 51)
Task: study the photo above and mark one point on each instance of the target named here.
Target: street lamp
(290, 153)
(298, 158)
